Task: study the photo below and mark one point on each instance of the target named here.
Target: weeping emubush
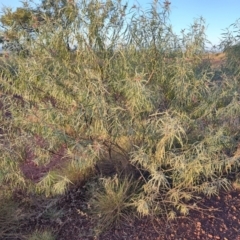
(130, 93)
(178, 170)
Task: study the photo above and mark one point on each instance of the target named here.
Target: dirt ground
(217, 218)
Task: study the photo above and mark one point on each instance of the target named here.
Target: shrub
(231, 46)
(131, 93)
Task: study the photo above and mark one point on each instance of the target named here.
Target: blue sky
(219, 14)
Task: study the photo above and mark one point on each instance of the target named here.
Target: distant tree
(15, 24)
(20, 26)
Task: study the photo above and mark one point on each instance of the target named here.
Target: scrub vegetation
(106, 97)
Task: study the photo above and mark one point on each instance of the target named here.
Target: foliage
(22, 25)
(14, 23)
(231, 46)
(104, 85)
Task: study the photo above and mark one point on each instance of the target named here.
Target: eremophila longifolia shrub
(107, 85)
(231, 47)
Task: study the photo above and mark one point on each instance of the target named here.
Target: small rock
(234, 208)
